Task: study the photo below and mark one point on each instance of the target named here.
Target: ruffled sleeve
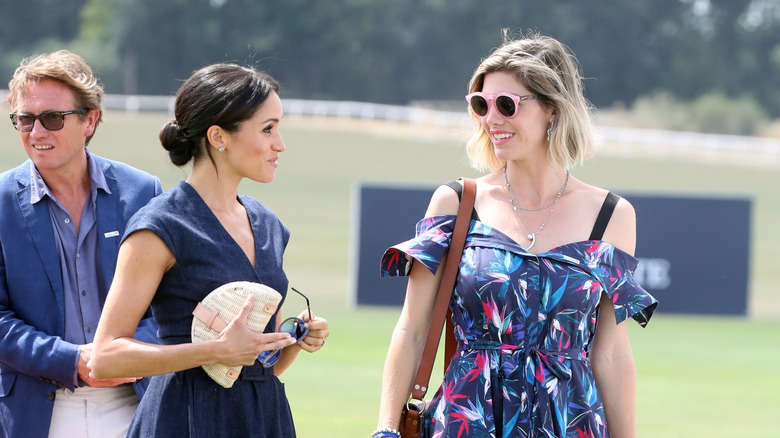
(615, 270)
(429, 245)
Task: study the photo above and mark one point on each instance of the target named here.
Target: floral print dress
(524, 325)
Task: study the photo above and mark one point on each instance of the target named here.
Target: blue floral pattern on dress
(525, 325)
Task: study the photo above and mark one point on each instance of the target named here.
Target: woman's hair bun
(174, 139)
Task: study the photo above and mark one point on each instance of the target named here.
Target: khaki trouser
(93, 412)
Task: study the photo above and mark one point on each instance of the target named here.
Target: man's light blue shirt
(82, 278)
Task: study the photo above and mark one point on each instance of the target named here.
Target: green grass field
(697, 376)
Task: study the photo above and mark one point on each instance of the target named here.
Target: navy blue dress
(188, 403)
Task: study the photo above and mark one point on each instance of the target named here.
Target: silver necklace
(532, 236)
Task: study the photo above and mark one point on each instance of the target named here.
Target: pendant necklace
(532, 236)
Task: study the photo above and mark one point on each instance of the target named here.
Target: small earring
(549, 130)
(222, 148)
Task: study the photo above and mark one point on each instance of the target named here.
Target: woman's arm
(611, 356)
(407, 343)
(143, 259)
(411, 331)
(613, 369)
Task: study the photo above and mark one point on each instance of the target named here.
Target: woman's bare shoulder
(621, 230)
(443, 201)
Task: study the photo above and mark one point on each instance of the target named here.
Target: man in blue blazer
(62, 215)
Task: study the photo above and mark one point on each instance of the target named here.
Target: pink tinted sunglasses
(506, 103)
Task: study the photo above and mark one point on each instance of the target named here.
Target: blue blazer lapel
(36, 217)
(109, 234)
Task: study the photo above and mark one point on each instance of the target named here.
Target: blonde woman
(545, 281)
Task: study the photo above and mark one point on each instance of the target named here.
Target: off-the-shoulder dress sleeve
(615, 270)
(431, 242)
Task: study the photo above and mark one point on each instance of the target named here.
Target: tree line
(402, 51)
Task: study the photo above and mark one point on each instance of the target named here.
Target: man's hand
(85, 371)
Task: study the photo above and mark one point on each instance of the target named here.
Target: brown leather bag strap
(446, 286)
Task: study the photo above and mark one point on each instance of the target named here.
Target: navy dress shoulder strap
(604, 215)
(454, 185)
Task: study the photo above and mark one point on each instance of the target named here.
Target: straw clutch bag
(221, 306)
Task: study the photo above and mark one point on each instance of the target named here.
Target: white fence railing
(414, 115)
(691, 140)
(625, 137)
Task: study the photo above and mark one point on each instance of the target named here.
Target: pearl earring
(222, 148)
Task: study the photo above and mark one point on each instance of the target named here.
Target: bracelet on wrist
(388, 432)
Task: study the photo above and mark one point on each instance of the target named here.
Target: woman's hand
(318, 332)
(238, 345)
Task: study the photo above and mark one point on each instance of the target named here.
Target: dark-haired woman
(195, 237)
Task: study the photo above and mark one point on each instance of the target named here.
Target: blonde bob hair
(547, 68)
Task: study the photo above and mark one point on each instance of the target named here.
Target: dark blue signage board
(693, 251)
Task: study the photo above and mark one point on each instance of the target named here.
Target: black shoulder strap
(454, 185)
(604, 215)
